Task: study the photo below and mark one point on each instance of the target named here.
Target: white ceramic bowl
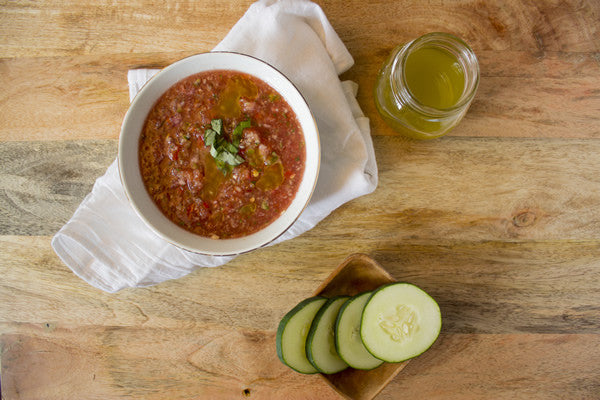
(128, 157)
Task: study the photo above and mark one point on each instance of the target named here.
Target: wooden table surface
(499, 221)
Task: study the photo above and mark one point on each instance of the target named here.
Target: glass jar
(426, 86)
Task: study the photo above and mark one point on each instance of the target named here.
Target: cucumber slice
(292, 332)
(399, 321)
(320, 343)
(347, 334)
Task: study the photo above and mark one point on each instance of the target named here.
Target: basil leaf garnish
(224, 152)
(209, 137)
(217, 125)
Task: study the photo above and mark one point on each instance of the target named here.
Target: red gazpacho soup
(222, 154)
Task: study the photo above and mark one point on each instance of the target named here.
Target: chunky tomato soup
(222, 154)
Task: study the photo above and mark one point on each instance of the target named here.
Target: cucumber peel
(393, 323)
(292, 332)
(320, 343)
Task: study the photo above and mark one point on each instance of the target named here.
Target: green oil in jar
(427, 85)
(434, 77)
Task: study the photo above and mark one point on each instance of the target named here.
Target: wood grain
(481, 288)
(64, 28)
(99, 27)
(503, 367)
(200, 363)
(497, 221)
(42, 183)
(539, 62)
(71, 98)
(218, 362)
(519, 95)
(463, 188)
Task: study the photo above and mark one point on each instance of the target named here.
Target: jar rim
(448, 42)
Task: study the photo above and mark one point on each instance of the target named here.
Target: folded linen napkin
(109, 246)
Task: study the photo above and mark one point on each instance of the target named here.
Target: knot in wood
(524, 219)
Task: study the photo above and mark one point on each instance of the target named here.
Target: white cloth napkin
(109, 246)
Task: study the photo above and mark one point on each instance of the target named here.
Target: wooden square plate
(358, 273)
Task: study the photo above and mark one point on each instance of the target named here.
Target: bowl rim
(243, 249)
